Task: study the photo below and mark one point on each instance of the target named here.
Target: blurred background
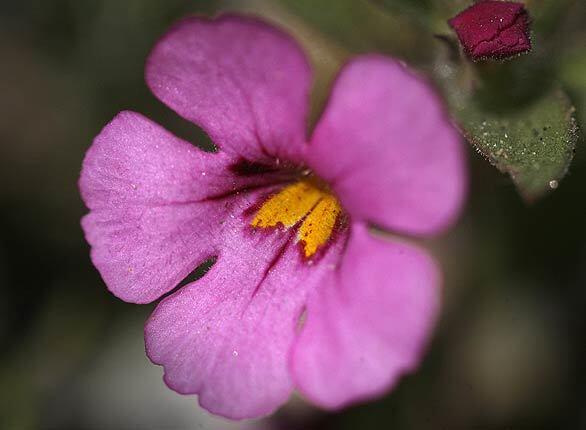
(510, 351)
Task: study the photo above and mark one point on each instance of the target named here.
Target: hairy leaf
(533, 144)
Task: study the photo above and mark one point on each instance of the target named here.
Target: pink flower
(493, 29)
(301, 295)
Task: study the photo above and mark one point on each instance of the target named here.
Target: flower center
(307, 202)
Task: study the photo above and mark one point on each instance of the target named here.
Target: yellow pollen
(303, 201)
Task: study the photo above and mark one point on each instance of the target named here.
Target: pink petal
(388, 149)
(152, 220)
(227, 336)
(243, 81)
(368, 323)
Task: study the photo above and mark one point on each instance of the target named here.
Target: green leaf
(533, 144)
(514, 114)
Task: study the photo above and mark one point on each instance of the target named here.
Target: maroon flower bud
(493, 29)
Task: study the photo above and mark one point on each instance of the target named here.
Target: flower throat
(306, 202)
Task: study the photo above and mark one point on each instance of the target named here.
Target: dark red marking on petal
(278, 168)
(273, 262)
(244, 167)
(234, 192)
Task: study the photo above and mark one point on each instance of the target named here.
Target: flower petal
(243, 81)
(227, 336)
(153, 215)
(367, 323)
(386, 146)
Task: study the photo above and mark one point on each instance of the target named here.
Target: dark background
(510, 351)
